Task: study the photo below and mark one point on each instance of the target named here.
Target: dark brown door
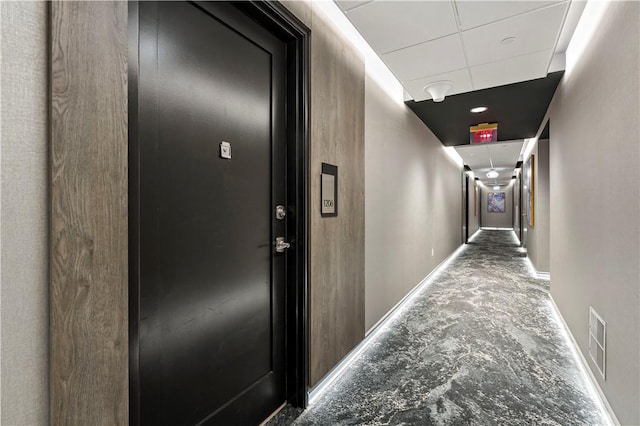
(211, 292)
(465, 207)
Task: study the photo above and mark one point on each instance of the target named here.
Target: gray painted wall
(595, 199)
(412, 202)
(538, 235)
(496, 220)
(24, 306)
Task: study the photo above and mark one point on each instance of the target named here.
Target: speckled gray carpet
(478, 346)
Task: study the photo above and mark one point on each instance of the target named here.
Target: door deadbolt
(281, 245)
(281, 213)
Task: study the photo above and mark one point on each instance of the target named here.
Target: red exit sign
(484, 136)
(483, 133)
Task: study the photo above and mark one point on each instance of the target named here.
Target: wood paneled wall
(336, 281)
(88, 166)
(336, 243)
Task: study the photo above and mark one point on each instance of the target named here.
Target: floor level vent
(597, 340)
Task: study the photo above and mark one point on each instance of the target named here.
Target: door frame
(295, 35)
(466, 208)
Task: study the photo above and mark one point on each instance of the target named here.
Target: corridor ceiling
(496, 53)
(503, 156)
(474, 44)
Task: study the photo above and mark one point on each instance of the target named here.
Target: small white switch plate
(225, 150)
(433, 252)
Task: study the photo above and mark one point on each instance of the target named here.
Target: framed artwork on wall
(495, 202)
(529, 181)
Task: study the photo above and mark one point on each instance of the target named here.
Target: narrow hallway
(478, 344)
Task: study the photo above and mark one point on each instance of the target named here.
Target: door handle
(281, 245)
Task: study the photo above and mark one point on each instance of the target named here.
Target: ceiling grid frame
(518, 42)
(401, 66)
(456, 13)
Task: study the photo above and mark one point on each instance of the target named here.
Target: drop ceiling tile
(533, 32)
(434, 57)
(461, 84)
(473, 13)
(475, 156)
(512, 70)
(505, 154)
(392, 25)
(346, 5)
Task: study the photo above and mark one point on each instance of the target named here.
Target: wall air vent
(597, 340)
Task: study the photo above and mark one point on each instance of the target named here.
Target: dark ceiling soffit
(517, 108)
(467, 168)
(518, 164)
(545, 132)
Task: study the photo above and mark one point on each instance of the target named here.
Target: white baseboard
(540, 274)
(535, 272)
(474, 235)
(491, 228)
(585, 366)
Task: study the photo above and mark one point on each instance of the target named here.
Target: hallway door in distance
(465, 207)
(523, 212)
(212, 153)
(517, 208)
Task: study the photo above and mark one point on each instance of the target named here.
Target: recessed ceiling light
(496, 187)
(492, 174)
(479, 109)
(507, 40)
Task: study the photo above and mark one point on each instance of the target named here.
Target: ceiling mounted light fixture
(492, 174)
(438, 89)
(496, 187)
(479, 109)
